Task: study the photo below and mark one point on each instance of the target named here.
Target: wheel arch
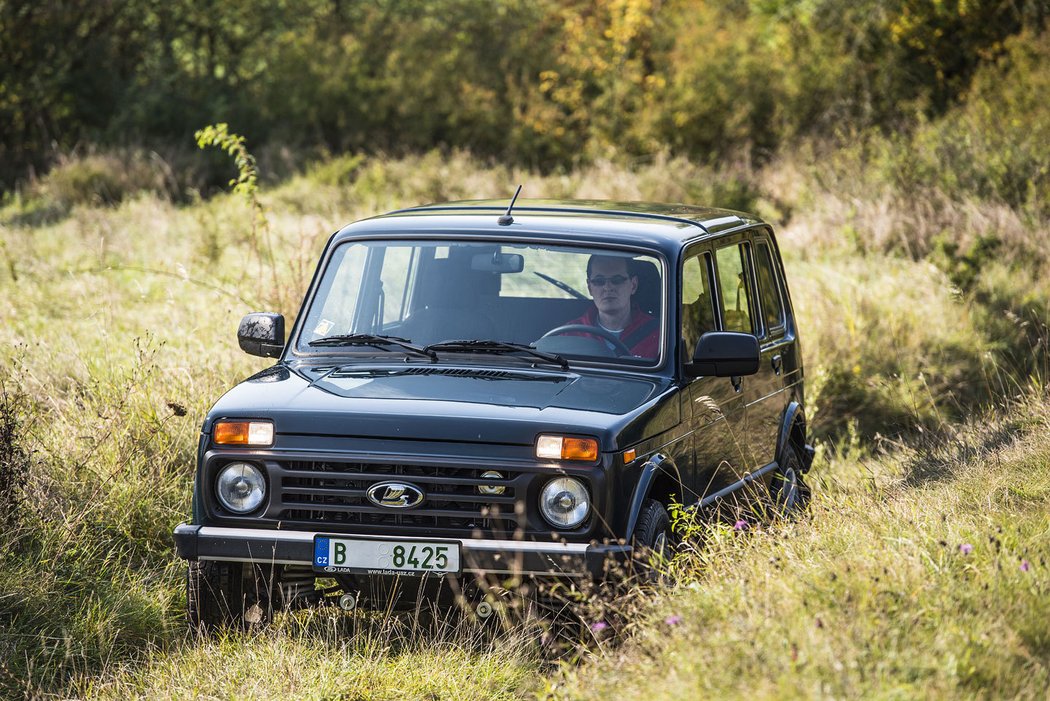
(660, 479)
(793, 433)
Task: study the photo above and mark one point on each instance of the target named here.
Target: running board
(747, 479)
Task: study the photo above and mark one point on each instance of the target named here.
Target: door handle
(738, 382)
(778, 363)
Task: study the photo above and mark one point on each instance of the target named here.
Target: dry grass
(118, 333)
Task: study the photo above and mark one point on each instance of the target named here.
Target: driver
(612, 285)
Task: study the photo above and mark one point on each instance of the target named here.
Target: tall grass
(118, 333)
(923, 573)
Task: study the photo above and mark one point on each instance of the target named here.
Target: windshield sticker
(324, 327)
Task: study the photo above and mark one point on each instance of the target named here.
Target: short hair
(599, 256)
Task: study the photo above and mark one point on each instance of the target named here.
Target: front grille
(333, 493)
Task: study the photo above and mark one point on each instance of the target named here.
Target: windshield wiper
(497, 348)
(367, 339)
(565, 287)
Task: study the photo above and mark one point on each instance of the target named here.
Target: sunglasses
(600, 280)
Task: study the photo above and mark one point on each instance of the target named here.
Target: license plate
(381, 556)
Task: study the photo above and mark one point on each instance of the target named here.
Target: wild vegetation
(901, 148)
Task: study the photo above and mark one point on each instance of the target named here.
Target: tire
(789, 493)
(652, 540)
(228, 594)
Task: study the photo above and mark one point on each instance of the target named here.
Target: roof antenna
(507, 219)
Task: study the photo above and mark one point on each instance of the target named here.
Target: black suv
(473, 393)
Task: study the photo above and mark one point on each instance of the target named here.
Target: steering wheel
(618, 347)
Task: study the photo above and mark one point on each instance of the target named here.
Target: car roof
(663, 226)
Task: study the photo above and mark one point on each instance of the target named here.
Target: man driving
(612, 286)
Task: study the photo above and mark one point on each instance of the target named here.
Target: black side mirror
(724, 354)
(262, 334)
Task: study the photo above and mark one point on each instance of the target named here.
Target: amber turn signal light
(243, 433)
(566, 448)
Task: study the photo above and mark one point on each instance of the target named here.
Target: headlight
(564, 502)
(240, 487)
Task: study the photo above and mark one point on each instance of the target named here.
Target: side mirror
(262, 334)
(724, 354)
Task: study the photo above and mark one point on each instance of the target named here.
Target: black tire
(789, 493)
(228, 594)
(652, 540)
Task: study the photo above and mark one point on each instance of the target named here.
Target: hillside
(921, 569)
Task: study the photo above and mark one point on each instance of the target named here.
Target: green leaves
(219, 135)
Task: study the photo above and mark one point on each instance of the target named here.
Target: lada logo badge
(395, 495)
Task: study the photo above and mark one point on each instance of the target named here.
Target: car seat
(648, 294)
(449, 292)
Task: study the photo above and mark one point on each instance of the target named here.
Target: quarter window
(736, 302)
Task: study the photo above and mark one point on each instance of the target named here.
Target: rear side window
(768, 289)
(732, 282)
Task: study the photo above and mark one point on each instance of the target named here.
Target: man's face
(611, 298)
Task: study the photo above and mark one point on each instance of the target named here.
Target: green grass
(117, 334)
(924, 573)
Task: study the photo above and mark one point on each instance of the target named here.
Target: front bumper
(511, 557)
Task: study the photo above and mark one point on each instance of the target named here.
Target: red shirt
(646, 347)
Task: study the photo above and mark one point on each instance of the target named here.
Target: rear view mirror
(498, 262)
(262, 334)
(724, 354)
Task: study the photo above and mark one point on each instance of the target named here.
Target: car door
(765, 394)
(714, 407)
(734, 290)
(769, 394)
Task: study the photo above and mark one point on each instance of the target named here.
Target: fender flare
(656, 465)
(793, 415)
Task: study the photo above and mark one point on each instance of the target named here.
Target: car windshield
(577, 303)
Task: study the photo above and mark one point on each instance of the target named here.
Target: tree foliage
(537, 82)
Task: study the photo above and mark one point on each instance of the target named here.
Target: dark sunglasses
(600, 280)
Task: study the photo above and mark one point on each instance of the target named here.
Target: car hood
(497, 404)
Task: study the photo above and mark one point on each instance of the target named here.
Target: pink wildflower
(599, 626)
(673, 620)
(740, 525)
(1025, 566)
(966, 548)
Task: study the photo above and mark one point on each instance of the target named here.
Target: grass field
(920, 571)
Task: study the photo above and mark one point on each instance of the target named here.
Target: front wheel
(652, 540)
(222, 594)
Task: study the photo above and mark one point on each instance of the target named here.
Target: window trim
(780, 329)
(738, 240)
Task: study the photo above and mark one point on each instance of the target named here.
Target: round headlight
(240, 487)
(564, 502)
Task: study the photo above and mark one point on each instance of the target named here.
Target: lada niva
(472, 392)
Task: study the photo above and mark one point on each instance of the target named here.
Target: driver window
(697, 310)
(736, 302)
